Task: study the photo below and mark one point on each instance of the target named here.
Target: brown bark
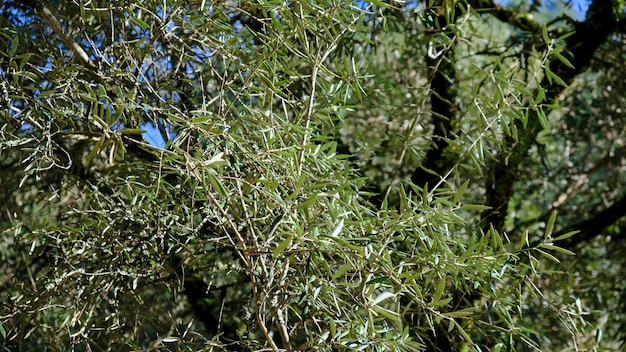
(443, 110)
(442, 101)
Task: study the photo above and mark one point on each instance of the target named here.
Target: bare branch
(69, 42)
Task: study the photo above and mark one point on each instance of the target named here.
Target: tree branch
(573, 186)
(516, 19)
(594, 226)
(443, 109)
(583, 44)
(69, 42)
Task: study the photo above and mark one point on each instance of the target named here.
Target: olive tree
(285, 206)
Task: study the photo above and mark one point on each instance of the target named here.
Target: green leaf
(95, 150)
(467, 338)
(545, 35)
(550, 246)
(477, 168)
(308, 202)
(389, 314)
(441, 302)
(543, 119)
(525, 119)
(564, 60)
(337, 229)
(385, 295)
(559, 80)
(217, 185)
(548, 255)
(550, 225)
(46, 93)
(276, 23)
(541, 96)
(342, 242)
(282, 246)
(460, 313)
(548, 72)
(333, 328)
(565, 36)
(524, 240)
(378, 280)
(439, 289)
(130, 131)
(566, 235)
(379, 3)
(141, 23)
(496, 239)
(460, 192)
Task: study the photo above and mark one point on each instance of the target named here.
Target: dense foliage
(311, 175)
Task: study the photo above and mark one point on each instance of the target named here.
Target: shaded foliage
(373, 176)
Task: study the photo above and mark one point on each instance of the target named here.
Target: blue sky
(579, 6)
